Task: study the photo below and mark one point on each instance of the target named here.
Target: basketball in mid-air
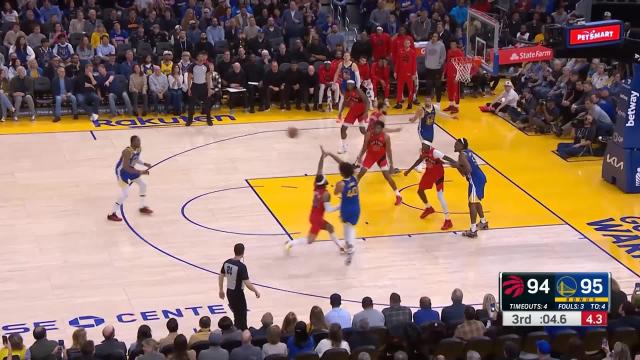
(292, 132)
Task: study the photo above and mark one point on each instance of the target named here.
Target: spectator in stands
(35, 38)
(297, 52)
(396, 314)
(113, 90)
(300, 341)
(92, 22)
(289, 324)
(44, 53)
(117, 35)
(12, 35)
(224, 65)
(543, 349)
(293, 21)
(293, 82)
(51, 70)
(380, 17)
(33, 70)
(310, 87)
(14, 348)
(337, 314)
(138, 88)
(255, 76)
(84, 50)
(334, 341)
(246, 351)
(63, 49)
(176, 84)
(259, 43)
(282, 54)
(62, 89)
(172, 324)
(97, 35)
(229, 331)
(453, 314)
(144, 333)
(88, 351)
(110, 344)
(527, 107)
(214, 32)
(21, 88)
(203, 332)
(362, 47)
(23, 51)
(158, 88)
(334, 38)
(5, 102)
(362, 336)
(273, 345)
(181, 44)
(600, 78)
(267, 322)
(628, 317)
(373, 316)
(216, 87)
(506, 101)
(214, 352)
(489, 311)
(317, 51)
(150, 350)
(425, 314)
(42, 348)
(166, 64)
(470, 327)
(237, 80)
(316, 320)
(273, 83)
(206, 46)
(602, 120)
(77, 25)
(181, 349)
(105, 48)
(400, 355)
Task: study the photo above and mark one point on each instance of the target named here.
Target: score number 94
(587, 286)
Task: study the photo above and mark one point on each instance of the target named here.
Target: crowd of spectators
(396, 332)
(574, 98)
(131, 51)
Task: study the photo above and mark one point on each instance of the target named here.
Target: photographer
(585, 133)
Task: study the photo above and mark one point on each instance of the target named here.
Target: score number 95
(587, 286)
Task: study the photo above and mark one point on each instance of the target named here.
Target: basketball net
(463, 68)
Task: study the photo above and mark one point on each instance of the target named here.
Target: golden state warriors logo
(566, 286)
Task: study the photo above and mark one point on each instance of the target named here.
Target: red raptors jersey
(450, 69)
(363, 69)
(377, 143)
(352, 97)
(406, 62)
(432, 163)
(317, 208)
(375, 116)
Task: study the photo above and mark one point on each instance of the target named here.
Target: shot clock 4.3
(554, 299)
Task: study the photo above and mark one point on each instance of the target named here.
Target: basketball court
(243, 180)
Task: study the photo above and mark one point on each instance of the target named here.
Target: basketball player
(127, 174)
(380, 114)
(350, 204)
(434, 174)
(321, 204)
(427, 116)
(453, 86)
(364, 70)
(358, 110)
(468, 167)
(377, 146)
(347, 70)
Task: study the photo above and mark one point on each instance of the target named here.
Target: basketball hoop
(463, 67)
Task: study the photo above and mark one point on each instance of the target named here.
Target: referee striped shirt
(199, 72)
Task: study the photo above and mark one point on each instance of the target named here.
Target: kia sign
(518, 55)
(594, 34)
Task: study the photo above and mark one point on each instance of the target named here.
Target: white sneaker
(437, 106)
(15, 118)
(419, 168)
(2, 119)
(33, 118)
(94, 117)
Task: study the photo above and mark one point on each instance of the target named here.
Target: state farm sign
(594, 34)
(518, 55)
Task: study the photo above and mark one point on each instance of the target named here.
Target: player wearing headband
(321, 204)
(469, 168)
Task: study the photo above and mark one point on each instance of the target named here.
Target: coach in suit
(110, 345)
(43, 348)
(62, 86)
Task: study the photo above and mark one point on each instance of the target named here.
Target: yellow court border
(289, 200)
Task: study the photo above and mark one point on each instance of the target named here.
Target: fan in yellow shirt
(97, 35)
(16, 345)
(166, 65)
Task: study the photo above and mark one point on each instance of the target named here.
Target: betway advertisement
(518, 55)
(626, 132)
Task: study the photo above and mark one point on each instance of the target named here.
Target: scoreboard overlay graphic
(555, 299)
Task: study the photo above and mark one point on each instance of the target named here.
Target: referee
(237, 278)
(198, 81)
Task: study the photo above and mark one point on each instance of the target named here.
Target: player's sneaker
(470, 234)
(287, 246)
(209, 122)
(427, 211)
(398, 106)
(94, 117)
(454, 110)
(145, 210)
(447, 225)
(448, 108)
(113, 217)
(398, 200)
(483, 225)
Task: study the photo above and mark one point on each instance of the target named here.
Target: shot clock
(554, 299)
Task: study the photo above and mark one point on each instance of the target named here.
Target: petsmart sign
(518, 55)
(87, 321)
(594, 34)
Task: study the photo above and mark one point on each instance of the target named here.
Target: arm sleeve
(438, 154)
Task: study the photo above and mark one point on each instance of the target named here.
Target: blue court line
(546, 207)
(184, 215)
(437, 212)
(93, 135)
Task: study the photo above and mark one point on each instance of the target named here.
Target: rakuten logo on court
(631, 113)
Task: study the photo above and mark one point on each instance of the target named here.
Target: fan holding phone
(13, 346)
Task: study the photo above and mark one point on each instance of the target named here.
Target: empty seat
(199, 346)
(335, 354)
(309, 355)
(593, 340)
(481, 344)
(560, 342)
